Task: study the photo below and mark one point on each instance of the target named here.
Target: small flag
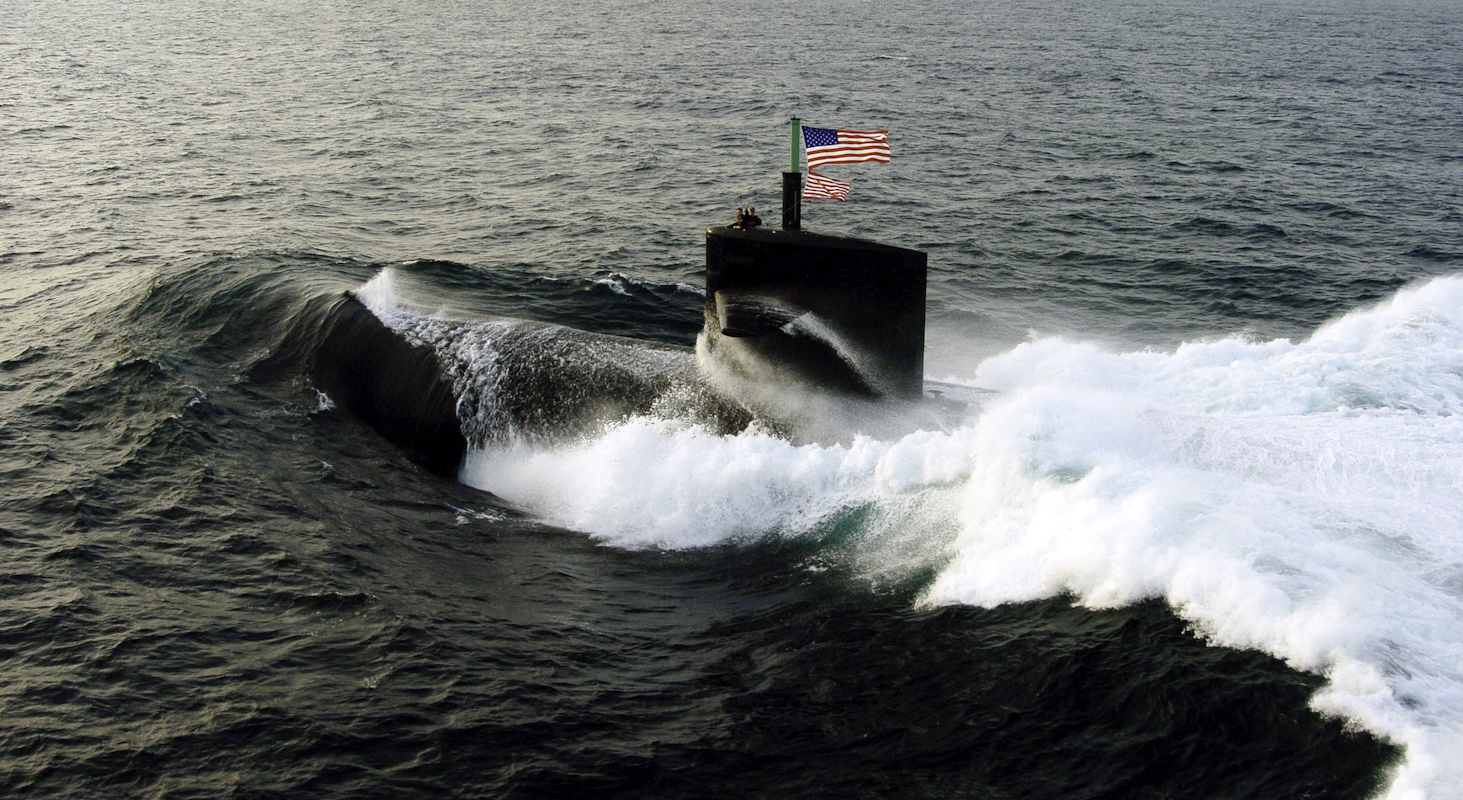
(819, 186)
(828, 146)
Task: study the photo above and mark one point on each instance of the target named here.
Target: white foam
(381, 293)
(1303, 499)
(616, 283)
(656, 483)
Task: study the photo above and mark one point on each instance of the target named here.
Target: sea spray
(1302, 499)
(657, 483)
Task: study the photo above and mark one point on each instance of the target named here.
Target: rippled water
(1200, 541)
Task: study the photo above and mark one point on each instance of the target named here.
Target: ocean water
(1194, 527)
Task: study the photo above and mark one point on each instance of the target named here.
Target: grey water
(214, 583)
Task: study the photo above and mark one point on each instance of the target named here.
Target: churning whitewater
(1302, 499)
(358, 440)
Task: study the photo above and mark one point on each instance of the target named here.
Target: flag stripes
(830, 146)
(818, 186)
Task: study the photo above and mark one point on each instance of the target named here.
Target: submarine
(800, 328)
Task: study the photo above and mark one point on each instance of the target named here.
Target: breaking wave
(1303, 499)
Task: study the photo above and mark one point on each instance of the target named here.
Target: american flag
(828, 146)
(819, 186)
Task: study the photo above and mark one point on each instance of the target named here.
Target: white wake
(1302, 499)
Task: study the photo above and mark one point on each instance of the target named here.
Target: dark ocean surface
(1198, 535)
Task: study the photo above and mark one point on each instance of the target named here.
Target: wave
(432, 363)
(524, 381)
(1302, 499)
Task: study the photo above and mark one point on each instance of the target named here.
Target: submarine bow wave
(1302, 499)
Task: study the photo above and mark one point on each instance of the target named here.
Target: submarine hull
(396, 387)
(542, 382)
